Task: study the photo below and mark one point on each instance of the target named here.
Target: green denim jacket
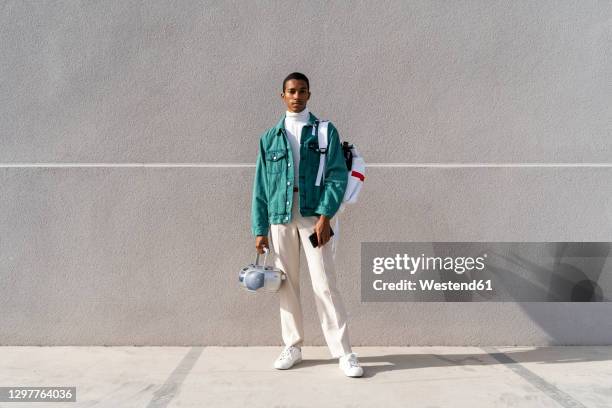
(274, 178)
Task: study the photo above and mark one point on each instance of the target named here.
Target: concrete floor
(243, 377)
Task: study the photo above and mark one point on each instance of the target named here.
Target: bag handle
(266, 250)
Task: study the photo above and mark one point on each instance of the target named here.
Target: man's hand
(261, 241)
(323, 230)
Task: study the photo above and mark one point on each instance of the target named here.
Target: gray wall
(119, 255)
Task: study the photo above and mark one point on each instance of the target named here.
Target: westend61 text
(405, 284)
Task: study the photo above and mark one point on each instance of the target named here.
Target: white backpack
(356, 171)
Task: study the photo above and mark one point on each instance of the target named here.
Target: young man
(288, 205)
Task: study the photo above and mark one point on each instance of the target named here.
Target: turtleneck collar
(302, 116)
(280, 125)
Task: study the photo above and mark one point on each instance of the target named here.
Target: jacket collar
(281, 123)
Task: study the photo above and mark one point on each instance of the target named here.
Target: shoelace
(285, 354)
(352, 360)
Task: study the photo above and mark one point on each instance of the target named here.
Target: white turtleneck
(294, 122)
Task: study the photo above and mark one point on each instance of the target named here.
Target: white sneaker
(350, 365)
(288, 357)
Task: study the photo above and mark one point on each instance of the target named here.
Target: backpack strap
(322, 137)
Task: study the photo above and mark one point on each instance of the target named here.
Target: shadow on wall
(569, 272)
(575, 273)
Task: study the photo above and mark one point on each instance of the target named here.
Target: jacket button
(274, 158)
(288, 183)
(287, 202)
(286, 218)
(289, 165)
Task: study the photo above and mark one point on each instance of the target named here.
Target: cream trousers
(285, 239)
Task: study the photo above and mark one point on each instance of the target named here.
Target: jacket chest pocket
(275, 161)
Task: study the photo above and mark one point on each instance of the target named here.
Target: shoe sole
(353, 376)
(296, 362)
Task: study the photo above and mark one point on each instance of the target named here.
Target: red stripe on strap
(358, 175)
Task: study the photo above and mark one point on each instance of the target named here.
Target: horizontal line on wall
(490, 165)
(240, 165)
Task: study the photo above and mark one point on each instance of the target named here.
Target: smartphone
(313, 238)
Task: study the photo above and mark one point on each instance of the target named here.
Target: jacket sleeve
(259, 204)
(336, 175)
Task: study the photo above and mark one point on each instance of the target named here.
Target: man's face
(296, 94)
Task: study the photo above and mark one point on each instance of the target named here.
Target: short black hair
(298, 76)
